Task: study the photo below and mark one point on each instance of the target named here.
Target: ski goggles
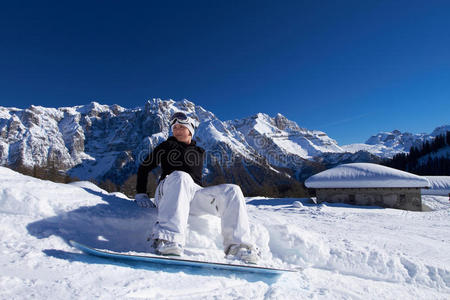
(182, 118)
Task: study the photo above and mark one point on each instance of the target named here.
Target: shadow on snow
(117, 225)
(154, 267)
(306, 202)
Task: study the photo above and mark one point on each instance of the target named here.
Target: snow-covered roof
(365, 175)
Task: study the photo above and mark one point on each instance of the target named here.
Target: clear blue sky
(349, 68)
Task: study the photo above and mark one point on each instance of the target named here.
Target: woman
(180, 193)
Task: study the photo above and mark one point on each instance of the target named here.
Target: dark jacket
(172, 155)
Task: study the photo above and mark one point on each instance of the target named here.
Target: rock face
(102, 142)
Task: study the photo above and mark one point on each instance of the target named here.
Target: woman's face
(181, 133)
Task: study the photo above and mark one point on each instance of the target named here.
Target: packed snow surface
(346, 252)
(365, 175)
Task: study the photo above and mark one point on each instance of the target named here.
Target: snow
(388, 144)
(441, 130)
(92, 140)
(282, 142)
(439, 185)
(347, 252)
(365, 175)
(377, 149)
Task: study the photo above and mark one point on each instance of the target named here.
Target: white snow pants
(178, 195)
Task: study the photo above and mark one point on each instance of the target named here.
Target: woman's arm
(149, 163)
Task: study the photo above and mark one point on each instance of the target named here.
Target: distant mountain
(107, 142)
(388, 144)
(275, 137)
(429, 158)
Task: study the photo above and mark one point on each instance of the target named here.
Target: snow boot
(245, 253)
(164, 247)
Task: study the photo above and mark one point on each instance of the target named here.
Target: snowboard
(175, 261)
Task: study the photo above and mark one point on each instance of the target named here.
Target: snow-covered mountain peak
(279, 137)
(267, 125)
(93, 107)
(387, 144)
(284, 123)
(94, 110)
(105, 141)
(441, 130)
(396, 139)
(165, 108)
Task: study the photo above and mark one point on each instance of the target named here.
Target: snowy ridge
(106, 141)
(440, 130)
(275, 137)
(378, 149)
(100, 142)
(348, 251)
(387, 144)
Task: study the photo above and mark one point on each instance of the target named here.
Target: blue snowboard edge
(178, 261)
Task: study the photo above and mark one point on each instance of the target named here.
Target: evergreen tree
(413, 162)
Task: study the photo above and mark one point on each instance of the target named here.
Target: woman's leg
(227, 202)
(173, 198)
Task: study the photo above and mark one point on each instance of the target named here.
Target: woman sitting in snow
(179, 193)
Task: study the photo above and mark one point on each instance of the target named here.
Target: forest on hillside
(430, 158)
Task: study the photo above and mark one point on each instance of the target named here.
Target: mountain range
(387, 144)
(107, 142)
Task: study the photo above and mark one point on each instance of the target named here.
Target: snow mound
(365, 175)
(297, 246)
(87, 185)
(24, 195)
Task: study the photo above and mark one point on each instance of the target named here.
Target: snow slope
(439, 185)
(348, 252)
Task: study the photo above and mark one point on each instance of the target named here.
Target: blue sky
(349, 68)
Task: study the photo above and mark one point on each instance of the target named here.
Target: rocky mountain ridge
(102, 142)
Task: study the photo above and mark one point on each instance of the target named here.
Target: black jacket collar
(174, 139)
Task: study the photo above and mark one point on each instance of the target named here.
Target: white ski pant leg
(227, 202)
(178, 195)
(173, 197)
